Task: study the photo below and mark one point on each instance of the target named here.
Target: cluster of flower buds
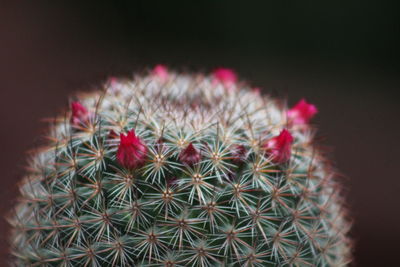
(132, 150)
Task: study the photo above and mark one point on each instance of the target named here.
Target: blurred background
(343, 56)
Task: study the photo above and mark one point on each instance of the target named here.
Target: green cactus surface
(175, 169)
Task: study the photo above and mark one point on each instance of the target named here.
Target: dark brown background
(341, 55)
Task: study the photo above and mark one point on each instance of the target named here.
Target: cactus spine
(175, 169)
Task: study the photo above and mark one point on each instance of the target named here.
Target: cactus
(174, 169)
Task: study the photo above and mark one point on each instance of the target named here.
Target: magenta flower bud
(190, 155)
(132, 151)
(161, 72)
(225, 76)
(280, 146)
(302, 112)
(79, 113)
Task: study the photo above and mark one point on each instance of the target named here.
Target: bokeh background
(343, 56)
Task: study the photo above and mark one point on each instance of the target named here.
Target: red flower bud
(225, 76)
(132, 151)
(190, 155)
(79, 113)
(239, 153)
(280, 146)
(302, 112)
(161, 72)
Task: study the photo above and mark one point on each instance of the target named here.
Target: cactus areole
(174, 169)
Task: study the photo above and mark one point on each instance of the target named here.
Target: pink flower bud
(302, 112)
(280, 146)
(79, 113)
(225, 76)
(161, 72)
(190, 155)
(132, 151)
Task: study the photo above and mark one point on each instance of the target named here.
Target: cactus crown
(180, 170)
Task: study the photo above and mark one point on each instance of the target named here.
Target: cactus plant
(175, 169)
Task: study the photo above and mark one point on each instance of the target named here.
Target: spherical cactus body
(174, 169)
